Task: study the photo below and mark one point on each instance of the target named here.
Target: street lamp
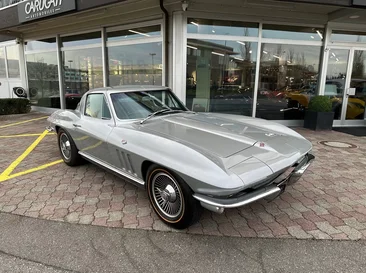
(152, 62)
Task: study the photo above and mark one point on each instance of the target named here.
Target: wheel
(68, 150)
(171, 198)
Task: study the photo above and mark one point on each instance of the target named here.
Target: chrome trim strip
(113, 169)
(238, 202)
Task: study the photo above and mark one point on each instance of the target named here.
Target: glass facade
(221, 76)
(264, 70)
(43, 80)
(292, 32)
(219, 27)
(288, 78)
(348, 36)
(12, 54)
(135, 56)
(221, 73)
(83, 70)
(139, 64)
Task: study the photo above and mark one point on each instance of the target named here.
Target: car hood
(216, 134)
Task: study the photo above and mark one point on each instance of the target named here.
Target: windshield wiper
(165, 111)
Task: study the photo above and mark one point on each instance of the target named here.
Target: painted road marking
(23, 155)
(2, 179)
(25, 135)
(6, 175)
(21, 122)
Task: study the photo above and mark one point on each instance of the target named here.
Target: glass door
(337, 80)
(355, 108)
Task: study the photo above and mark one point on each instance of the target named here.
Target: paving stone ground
(329, 201)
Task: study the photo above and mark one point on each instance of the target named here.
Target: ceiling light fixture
(192, 47)
(265, 52)
(354, 17)
(240, 43)
(320, 35)
(238, 59)
(219, 54)
(312, 37)
(134, 31)
(278, 57)
(194, 23)
(333, 54)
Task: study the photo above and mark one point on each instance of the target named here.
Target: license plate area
(284, 176)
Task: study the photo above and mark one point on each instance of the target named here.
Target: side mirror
(20, 92)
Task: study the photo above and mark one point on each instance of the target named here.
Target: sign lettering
(36, 9)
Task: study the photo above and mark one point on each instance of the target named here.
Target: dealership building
(260, 58)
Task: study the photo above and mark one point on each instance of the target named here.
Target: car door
(94, 127)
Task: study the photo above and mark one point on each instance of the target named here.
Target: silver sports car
(185, 160)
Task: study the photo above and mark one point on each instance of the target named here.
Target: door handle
(76, 125)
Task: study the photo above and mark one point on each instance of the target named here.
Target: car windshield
(141, 104)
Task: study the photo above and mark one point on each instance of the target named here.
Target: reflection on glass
(43, 79)
(135, 33)
(220, 76)
(82, 39)
(218, 27)
(2, 63)
(356, 103)
(336, 78)
(12, 54)
(44, 44)
(139, 64)
(288, 78)
(83, 70)
(292, 32)
(348, 36)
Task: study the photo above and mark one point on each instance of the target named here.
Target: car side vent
(125, 160)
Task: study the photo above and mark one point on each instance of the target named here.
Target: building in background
(262, 58)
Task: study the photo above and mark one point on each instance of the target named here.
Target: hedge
(14, 106)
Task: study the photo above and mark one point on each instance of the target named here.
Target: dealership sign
(36, 9)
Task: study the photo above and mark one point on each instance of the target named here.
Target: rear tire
(171, 198)
(68, 150)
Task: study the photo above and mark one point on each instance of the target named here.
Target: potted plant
(319, 115)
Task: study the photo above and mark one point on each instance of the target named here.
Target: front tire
(171, 198)
(68, 150)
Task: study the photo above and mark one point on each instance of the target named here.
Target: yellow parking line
(4, 178)
(21, 122)
(24, 135)
(13, 165)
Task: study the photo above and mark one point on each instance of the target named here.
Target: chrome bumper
(272, 191)
(50, 129)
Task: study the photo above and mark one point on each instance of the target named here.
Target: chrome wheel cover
(167, 195)
(65, 146)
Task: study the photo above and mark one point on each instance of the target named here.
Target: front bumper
(275, 188)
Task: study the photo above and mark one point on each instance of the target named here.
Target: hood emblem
(270, 134)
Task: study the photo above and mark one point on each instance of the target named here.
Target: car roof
(129, 88)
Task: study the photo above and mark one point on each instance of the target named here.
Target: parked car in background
(185, 160)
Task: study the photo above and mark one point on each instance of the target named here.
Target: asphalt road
(34, 245)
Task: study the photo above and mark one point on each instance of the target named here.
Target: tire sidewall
(191, 208)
